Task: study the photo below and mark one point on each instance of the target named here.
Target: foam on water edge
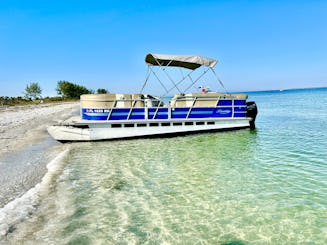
(21, 208)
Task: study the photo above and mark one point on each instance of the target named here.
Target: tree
(33, 91)
(102, 91)
(71, 90)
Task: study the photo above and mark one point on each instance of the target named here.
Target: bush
(70, 90)
(102, 91)
(33, 91)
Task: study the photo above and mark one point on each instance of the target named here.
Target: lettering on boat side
(97, 110)
(223, 111)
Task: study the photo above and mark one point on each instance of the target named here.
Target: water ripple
(266, 186)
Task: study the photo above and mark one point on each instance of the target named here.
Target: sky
(259, 45)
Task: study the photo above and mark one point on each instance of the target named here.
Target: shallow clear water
(21, 171)
(240, 187)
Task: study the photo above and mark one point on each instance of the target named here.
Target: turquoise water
(266, 186)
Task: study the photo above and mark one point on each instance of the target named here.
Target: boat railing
(154, 104)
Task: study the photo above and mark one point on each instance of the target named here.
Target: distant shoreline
(281, 90)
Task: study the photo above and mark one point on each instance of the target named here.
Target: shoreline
(27, 147)
(22, 126)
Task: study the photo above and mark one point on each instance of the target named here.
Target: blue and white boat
(117, 116)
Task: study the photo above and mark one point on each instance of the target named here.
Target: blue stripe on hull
(137, 114)
(162, 113)
(179, 113)
(239, 102)
(225, 103)
(201, 112)
(240, 115)
(119, 114)
(230, 102)
(95, 114)
(239, 109)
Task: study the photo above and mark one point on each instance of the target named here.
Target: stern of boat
(251, 111)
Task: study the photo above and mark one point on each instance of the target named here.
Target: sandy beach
(26, 147)
(24, 125)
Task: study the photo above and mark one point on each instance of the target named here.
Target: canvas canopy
(186, 61)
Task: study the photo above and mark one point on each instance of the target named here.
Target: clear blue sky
(260, 45)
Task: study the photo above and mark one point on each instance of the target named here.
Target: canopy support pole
(158, 79)
(179, 82)
(146, 80)
(193, 82)
(175, 86)
(221, 83)
(164, 70)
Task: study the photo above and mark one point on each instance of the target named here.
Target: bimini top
(187, 61)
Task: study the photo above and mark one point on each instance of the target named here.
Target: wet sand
(26, 147)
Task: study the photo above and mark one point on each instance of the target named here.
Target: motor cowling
(251, 111)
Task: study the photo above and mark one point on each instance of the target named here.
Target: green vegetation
(33, 91)
(32, 95)
(20, 101)
(102, 91)
(70, 90)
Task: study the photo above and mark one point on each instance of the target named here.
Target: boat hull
(94, 130)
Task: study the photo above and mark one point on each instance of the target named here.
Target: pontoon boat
(117, 116)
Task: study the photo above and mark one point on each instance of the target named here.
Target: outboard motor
(251, 111)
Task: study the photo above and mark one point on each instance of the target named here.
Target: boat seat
(202, 100)
(97, 100)
(137, 100)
